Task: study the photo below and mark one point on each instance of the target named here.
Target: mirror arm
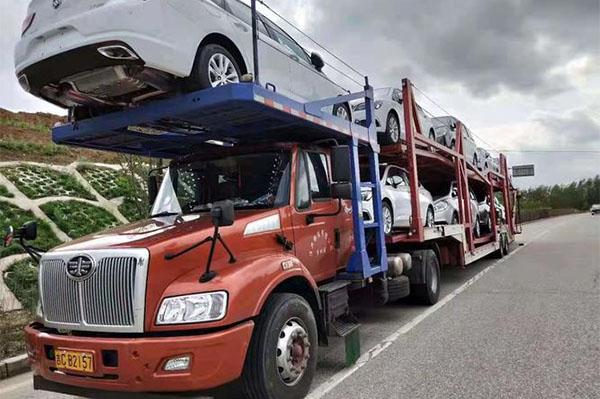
(33, 252)
(310, 219)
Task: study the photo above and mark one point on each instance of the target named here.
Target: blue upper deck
(242, 113)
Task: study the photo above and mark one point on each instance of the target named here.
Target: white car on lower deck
(107, 54)
(395, 194)
(389, 116)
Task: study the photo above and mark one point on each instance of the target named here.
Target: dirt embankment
(27, 137)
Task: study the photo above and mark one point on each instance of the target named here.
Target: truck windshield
(251, 181)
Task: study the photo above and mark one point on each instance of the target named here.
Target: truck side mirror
(340, 164)
(341, 191)
(29, 231)
(223, 213)
(152, 188)
(317, 61)
(9, 235)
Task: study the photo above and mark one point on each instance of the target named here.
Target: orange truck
(256, 243)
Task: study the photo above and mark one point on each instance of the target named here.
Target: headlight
(378, 104)
(440, 206)
(196, 308)
(367, 195)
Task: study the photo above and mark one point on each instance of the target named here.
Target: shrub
(78, 219)
(36, 182)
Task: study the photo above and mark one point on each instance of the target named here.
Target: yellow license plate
(74, 360)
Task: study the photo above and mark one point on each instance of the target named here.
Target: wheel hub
(221, 70)
(293, 352)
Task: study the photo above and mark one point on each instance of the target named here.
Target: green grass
(10, 215)
(38, 127)
(36, 182)
(5, 193)
(24, 147)
(22, 279)
(78, 219)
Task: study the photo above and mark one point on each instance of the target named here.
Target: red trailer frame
(421, 156)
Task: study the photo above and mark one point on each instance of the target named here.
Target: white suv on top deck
(107, 54)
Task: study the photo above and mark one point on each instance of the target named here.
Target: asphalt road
(525, 327)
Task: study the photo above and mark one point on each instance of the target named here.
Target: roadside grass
(37, 182)
(11, 215)
(22, 279)
(34, 149)
(5, 193)
(78, 219)
(12, 336)
(37, 127)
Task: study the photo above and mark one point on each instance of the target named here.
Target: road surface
(525, 327)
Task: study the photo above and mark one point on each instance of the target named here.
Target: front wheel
(430, 218)
(477, 230)
(392, 130)
(282, 357)
(342, 111)
(214, 66)
(388, 218)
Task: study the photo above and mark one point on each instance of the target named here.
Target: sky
(524, 75)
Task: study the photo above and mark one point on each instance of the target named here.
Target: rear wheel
(214, 66)
(429, 292)
(454, 219)
(388, 218)
(342, 111)
(282, 357)
(477, 228)
(430, 218)
(392, 130)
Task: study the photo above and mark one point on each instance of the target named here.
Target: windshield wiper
(164, 214)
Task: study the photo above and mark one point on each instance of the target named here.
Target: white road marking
(339, 377)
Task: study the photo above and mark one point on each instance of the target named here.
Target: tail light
(27, 23)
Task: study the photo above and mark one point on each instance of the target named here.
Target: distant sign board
(523, 170)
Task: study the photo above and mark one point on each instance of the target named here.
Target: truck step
(344, 326)
(398, 288)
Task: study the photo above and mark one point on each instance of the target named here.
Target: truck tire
(282, 357)
(429, 292)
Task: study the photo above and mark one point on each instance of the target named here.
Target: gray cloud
(484, 45)
(575, 129)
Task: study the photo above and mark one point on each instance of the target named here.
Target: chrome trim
(124, 293)
(105, 52)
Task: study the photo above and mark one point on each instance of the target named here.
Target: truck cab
(136, 311)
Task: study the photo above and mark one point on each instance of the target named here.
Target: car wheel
(475, 161)
(392, 130)
(489, 224)
(453, 145)
(282, 356)
(454, 219)
(215, 66)
(477, 229)
(388, 218)
(430, 218)
(431, 135)
(342, 111)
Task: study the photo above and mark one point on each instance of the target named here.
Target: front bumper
(217, 358)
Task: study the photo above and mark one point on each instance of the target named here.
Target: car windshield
(440, 191)
(365, 174)
(252, 181)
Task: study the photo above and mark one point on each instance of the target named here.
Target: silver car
(446, 208)
(445, 131)
(389, 116)
(397, 208)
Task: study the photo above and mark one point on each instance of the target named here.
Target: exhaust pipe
(118, 52)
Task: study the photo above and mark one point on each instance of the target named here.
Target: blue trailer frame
(239, 114)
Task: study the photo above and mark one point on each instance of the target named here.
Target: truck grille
(110, 299)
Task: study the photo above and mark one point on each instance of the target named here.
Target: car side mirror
(340, 164)
(317, 61)
(29, 231)
(341, 191)
(223, 213)
(152, 188)
(9, 235)
(454, 194)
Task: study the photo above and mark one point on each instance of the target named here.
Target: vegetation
(22, 279)
(10, 215)
(579, 195)
(37, 127)
(37, 182)
(78, 219)
(34, 149)
(5, 193)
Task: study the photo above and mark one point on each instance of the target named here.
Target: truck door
(315, 243)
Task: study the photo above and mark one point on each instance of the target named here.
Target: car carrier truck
(255, 245)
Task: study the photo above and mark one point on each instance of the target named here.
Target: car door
(399, 192)
(315, 243)
(308, 84)
(273, 62)
(469, 143)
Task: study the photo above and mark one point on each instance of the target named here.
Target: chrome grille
(111, 299)
(61, 299)
(108, 294)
